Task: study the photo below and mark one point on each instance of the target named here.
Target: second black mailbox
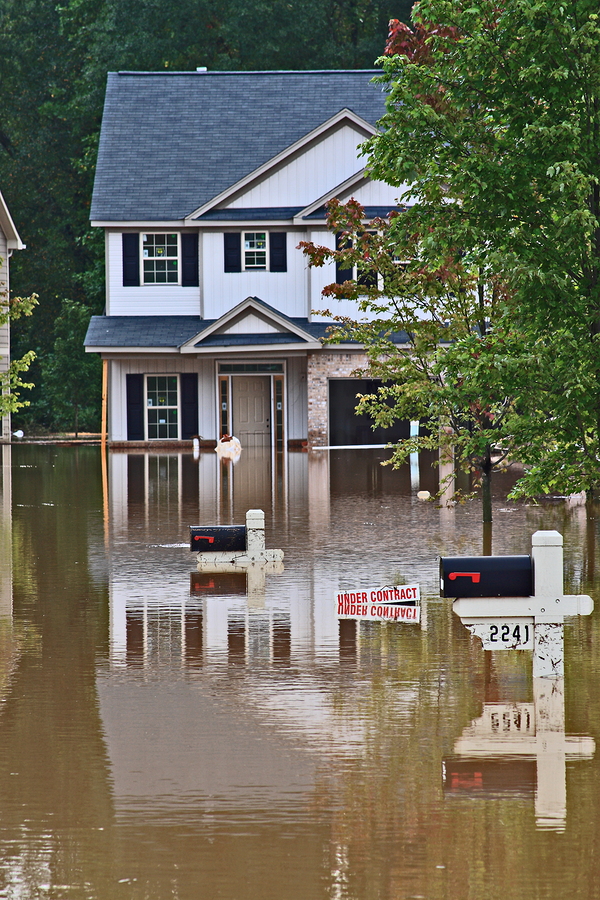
(486, 576)
(217, 537)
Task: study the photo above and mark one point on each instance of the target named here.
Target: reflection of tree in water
(54, 777)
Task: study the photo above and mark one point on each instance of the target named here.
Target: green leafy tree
(468, 382)
(11, 381)
(72, 375)
(492, 134)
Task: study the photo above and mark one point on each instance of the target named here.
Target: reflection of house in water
(313, 503)
(166, 613)
(168, 487)
(251, 676)
(154, 497)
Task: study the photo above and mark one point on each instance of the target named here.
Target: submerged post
(548, 630)
(255, 530)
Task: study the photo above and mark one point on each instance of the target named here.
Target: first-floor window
(162, 406)
(160, 254)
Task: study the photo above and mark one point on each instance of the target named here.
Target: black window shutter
(278, 251)
(189, 405)
(341, 274)
(131, 259)
(233, 251)
(135, 407)
(189, 260)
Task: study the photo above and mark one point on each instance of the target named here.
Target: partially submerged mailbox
(217, 537)
(224, 548)
(486, 576)
(506, 601)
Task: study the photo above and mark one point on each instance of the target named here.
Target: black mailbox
(486, 576)
(217, 537)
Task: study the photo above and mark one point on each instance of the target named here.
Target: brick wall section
(321, 367)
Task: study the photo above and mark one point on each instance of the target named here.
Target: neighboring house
(9, 241)
(205, 184)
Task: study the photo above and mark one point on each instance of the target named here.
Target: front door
(251, 410)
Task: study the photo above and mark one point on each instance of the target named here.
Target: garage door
(346, 427)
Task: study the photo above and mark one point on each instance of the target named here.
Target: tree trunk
(486, 495)
(487, 539)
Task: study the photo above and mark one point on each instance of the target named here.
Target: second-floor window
(255, 250)
(160, 258)
(365, 277)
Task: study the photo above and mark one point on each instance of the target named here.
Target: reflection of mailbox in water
(209, 538)
(207, 584)
(486, 576)
(489, 777)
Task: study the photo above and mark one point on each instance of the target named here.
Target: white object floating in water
(229, 447)
(423, 495)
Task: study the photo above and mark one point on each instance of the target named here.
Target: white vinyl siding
(297, 398)
(376, 193)
(4, 329)
(286, 291)
(317, 170)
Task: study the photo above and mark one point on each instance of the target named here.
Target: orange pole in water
(104, 461)
(104, 400)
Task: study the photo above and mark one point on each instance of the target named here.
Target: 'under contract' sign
(398, 603)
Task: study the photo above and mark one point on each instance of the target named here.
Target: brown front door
(251, 410)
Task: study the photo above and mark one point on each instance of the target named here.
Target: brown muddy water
(163, 735)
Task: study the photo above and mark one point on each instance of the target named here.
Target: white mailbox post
(530, 623)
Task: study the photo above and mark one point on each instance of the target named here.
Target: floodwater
(166, 733)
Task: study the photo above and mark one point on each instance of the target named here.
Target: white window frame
(143, 258)
(149, 407)
(250, 268)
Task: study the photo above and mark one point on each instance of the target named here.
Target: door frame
(278, 407)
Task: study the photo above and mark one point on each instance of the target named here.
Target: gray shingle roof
(173, 331)
(260, 213)
(142, 331)
(171, 142)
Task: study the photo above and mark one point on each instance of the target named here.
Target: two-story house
(9, 241)
(205, 184)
